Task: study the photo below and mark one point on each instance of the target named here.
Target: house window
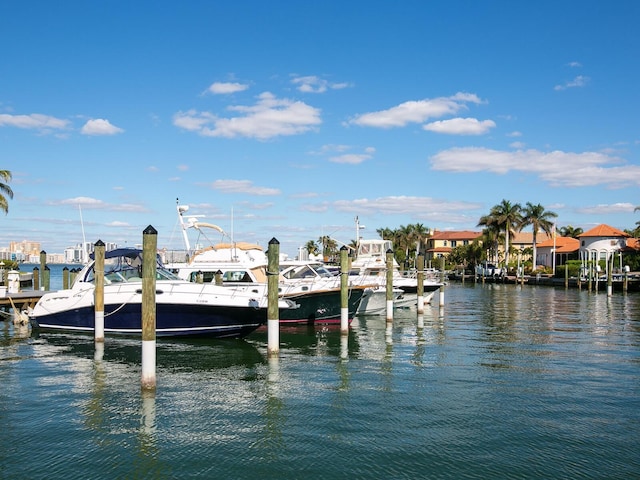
(453, 243)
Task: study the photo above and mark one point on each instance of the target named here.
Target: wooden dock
(22, 300)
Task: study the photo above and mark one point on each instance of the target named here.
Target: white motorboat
(182, 308)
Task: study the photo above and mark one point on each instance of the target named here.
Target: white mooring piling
(273, 314)
(344, 291)
(98, 300)
(149, 267)
(420, 267)
(389, 259)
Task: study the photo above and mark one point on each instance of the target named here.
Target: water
(503, 382)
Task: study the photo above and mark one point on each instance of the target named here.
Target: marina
(504, 381)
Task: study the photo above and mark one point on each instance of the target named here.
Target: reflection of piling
(273, 315)
(420, 267)
(389, 285)
(98, 280)
(149, 267)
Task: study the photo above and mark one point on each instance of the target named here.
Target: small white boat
(371, 264)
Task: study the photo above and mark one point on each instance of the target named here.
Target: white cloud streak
(460, 126)
(242, 186)
(559, 169)
(416, 111)
(34, 121)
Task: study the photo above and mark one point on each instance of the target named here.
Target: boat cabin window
(229, 276)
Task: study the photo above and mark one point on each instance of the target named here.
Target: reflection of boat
(182, 308)
(184, 354)
(371, 263)
(243, 266)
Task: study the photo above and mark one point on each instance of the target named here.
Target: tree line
(499, 227)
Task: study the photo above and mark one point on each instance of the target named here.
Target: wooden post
(610, 276)
(218, 277)
(273, 315)
(98, 282)
(36, 278)
(149, 267)
(442, 281)
(420, 267)
(65, 278)
(389, 285)
(43, 266)
(344, 290)
(46, 280)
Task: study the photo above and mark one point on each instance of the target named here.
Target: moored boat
(182, 308)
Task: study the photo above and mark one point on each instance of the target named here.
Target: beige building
(440, 244)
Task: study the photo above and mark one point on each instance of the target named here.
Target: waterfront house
(603, 243)
(440, 244)
(566, 248)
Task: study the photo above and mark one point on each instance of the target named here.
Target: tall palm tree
(421, 234)
(5, 190)
(539, 219)
(507, 218)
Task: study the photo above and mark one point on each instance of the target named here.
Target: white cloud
(100, 126)
(607, 209)
(460, 126)
(574, 64)
(415, 111)
(242, 186)
(270, 117)
(579, 81)
(223, 88)
(559, 169)
(34, 121)
(352, 158)
(426, 208)
(314, 84)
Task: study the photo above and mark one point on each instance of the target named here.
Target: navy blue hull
(171, 320)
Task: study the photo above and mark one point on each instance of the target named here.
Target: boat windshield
(127, 268)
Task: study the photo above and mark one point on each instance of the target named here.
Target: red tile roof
(563, 244)
(455, 235)
(603, 230)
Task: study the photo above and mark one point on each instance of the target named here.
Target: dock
(22, 300)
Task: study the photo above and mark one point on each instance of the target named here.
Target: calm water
(503, 382)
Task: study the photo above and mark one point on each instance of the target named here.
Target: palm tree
(312, 247)
(539, 219)
(569, 231)
(329, 247)
(421, 234)
(5, 190)
(507, 218)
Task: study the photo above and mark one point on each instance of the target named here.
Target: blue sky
(289, 119)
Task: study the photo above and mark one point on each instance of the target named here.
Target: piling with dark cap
(149, 267)
(420, 267)
(389, 259)
(344, 290)
(98, 280)
(273, 314)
